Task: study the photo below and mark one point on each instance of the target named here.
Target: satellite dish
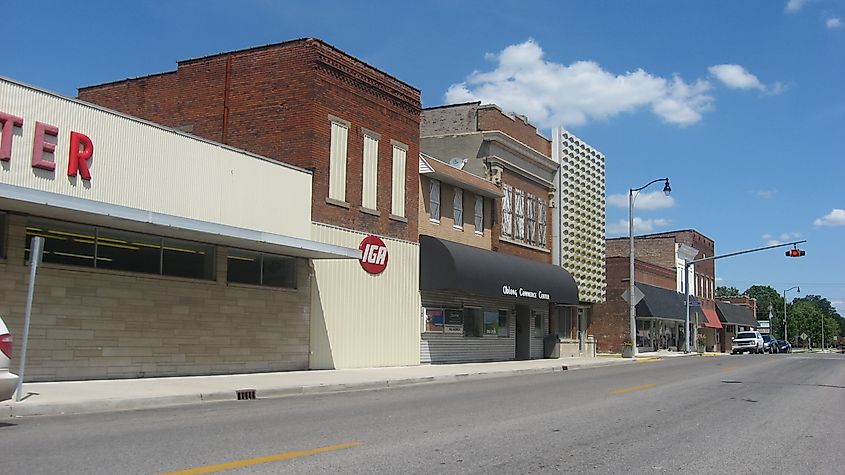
(458, 163)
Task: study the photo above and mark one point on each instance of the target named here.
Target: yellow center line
(265, 459)
(628, 390)
(648, 359)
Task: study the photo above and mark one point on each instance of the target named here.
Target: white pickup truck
(747, 341)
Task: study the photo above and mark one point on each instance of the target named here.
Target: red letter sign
(77, 158)
(39, 146)
(9, 123)
(373, 255)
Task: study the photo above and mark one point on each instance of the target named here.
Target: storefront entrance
(523, 332)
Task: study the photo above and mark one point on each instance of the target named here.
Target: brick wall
(610, 322)
(276, 101)
(492, 118)
(657, 251)
(89, 324)
(445, 228)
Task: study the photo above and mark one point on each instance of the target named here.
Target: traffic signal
(795, 253)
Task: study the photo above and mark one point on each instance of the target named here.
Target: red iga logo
(373, 255)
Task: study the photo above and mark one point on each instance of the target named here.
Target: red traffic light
(795, 253)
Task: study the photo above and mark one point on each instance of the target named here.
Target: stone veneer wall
(93, 324)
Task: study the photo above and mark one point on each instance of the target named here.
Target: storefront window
(473, 322)
(504, 330)
(491, 322)
(248, 267)
(454, 321)
(565, 322)
(104, 248)
(644, 333)
(434, 319)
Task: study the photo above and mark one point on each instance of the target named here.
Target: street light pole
(631, 300)
(784, 309)
(687, 265)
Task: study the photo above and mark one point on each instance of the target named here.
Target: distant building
(660, 260)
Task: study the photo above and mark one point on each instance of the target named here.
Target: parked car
(769, 344)
(784, 346)
(8, 381)
(748, 341)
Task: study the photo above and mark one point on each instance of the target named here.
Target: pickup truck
(747, 341)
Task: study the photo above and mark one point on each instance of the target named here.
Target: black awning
(446, 265)
(661, 303)
(735, 314)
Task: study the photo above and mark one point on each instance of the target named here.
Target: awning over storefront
(711, 320)
(735, 314)
(446, 265)
(660, 303)
(52, 205)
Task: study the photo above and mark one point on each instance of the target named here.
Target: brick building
(306, 103)
(660, 262)
(508, 151)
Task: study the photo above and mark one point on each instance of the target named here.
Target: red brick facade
(611, 321)
(276, 101)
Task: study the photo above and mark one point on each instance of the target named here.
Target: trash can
(551, 346)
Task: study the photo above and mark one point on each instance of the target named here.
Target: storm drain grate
(245, 394)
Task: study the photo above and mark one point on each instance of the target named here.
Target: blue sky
(740, 103)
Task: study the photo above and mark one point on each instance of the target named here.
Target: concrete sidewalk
(85, 397)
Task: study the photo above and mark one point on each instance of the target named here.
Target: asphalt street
(729, 414)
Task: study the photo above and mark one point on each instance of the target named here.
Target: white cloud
(737, 77)
(553, 94)
(783, 238)
(832, 23)
(793, 6)
(834, 218)
(767, 194)
(641, 226)
(643, 201)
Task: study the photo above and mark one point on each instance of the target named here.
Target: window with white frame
(531, 228)
(479, 214)
(370, 178)
(338, 159)
(541, 223)
(458, 208)
(434, 201)
(507, 210)
(519, 214)
(397, 205)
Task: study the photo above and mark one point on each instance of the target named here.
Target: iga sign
(81, 147)
(373, 255)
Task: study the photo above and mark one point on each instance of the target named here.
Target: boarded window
(398, 186)
(370, 178)
(434, 201)
(458, 208)
(337, 161)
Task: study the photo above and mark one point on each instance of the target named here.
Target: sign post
(36, 248)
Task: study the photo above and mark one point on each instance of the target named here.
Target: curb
(95, 406)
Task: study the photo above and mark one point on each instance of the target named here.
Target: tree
(722, 291)
(768, 297)
(827, 315)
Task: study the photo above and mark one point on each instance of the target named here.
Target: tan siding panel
(142, 166)
(362, 320)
